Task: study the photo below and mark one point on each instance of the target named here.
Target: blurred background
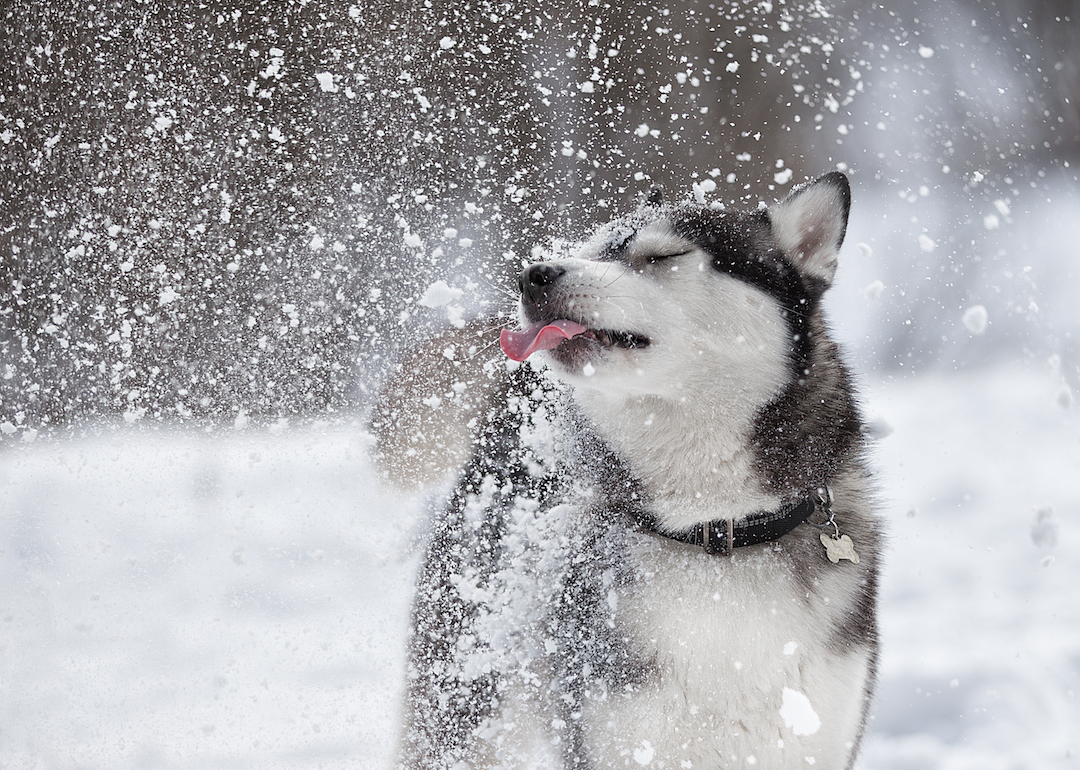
(224, 208)
(218, 224)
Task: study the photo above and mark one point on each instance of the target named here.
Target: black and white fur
(551, 627)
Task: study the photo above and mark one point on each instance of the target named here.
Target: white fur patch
(718, 631)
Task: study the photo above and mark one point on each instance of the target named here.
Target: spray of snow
(439, 294)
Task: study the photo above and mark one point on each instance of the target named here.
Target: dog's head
(672, 298)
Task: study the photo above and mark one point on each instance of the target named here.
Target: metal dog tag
(837, 548)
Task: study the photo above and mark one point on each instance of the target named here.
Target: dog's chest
(737, 665)
(713, 620)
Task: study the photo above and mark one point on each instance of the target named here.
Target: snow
(1044, 529)
(644, 754)
(798, 713)
(981, 633)
(183, 600)
(783, 177)
(235, 599)
(975, 319)
(873, 290)
(439, 294)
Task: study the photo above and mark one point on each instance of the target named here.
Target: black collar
(723, 535)
(718, 536)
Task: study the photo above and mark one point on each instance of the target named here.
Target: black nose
(535, 279)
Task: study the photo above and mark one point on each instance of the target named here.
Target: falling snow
(439, 294)
(220, 227)
(976, 319)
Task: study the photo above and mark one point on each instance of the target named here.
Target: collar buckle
(723, 536)
(718, 536)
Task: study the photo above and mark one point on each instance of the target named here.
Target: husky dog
(663, 550)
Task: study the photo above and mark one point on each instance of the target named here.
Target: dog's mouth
(547, 335)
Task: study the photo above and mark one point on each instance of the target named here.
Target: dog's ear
(810, 223)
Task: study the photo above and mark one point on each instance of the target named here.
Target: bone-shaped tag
(837, 548)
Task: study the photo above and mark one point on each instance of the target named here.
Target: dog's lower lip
(609, 338)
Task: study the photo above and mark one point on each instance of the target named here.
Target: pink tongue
(539, 336)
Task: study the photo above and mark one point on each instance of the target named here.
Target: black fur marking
(618, 503)
(812, 429)
(621, 232)
(858, 629)
(740, 246)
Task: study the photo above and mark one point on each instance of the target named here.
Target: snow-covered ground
(238, 600)
(980, 613)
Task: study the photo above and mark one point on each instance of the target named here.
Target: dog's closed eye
(652, 259)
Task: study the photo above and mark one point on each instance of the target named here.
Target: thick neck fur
(692, 455)
(726, 452)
